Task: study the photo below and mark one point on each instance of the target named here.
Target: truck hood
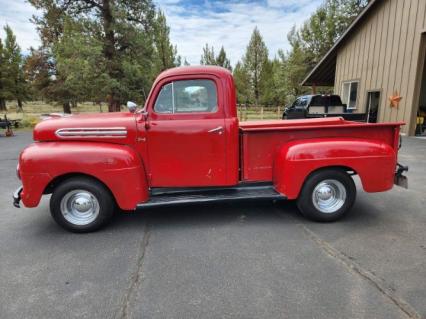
(117, 128)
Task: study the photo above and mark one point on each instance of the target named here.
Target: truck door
(186, 135)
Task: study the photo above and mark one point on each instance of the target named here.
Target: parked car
(187, 146)
(314, 106)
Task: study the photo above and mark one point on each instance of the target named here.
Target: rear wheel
(327, 195)
(81, 205)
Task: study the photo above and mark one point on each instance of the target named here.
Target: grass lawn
(32, 111)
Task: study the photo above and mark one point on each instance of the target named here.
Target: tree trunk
(74, 104)
(67, 107)
(3, 105)
(20, 105)
(114, 106)
(109, 50)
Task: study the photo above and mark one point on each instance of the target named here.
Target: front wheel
(81, 205)
(327, 195)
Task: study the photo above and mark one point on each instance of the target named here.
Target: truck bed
(260, 140)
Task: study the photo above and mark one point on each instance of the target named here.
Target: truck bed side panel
(260, 145)
(373, 160)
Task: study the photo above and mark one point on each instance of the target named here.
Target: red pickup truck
(187, 146)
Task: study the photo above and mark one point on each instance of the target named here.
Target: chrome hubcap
(329, 196)
(79, 207)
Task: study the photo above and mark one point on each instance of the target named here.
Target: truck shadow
(202, 215)
(364, 213)
(213, 215)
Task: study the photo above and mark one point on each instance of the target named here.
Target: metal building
(378, 65)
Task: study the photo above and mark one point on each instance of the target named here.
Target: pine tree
(125, 30)
(326, 25)
(241, 79)
(80, 77)
(208, 57)
(254, 61)
(166, 54)
(2, 79)
(222, 60)
(15, 86)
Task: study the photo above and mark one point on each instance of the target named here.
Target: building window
(350, 94)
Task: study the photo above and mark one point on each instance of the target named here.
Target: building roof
(324, 72)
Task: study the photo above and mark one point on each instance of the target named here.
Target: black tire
(104, 203)
(333, 180)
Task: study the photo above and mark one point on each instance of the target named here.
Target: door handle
(218, 130)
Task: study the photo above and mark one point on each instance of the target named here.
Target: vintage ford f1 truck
(187, 146)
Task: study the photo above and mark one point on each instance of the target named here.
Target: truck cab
(189, 129)
(186, 145)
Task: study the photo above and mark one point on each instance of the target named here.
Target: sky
(194, 23)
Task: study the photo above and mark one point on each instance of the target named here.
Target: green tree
(326, 25)
(222, 60)
(38, 70)
(241, 79)
(294, 67)
(13, 85)
(82, 76)
(165, 53)
(254, 61)
(268, 83)
(209, 58)
(126, 33)
(2, 79)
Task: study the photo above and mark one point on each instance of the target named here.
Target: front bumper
(17, 197)
(401, 180)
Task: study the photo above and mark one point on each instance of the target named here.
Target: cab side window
(164, 103)
(187, 96)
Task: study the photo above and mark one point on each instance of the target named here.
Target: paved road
(222, 261)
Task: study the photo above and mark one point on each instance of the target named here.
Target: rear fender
(118, 167)
(374, 162)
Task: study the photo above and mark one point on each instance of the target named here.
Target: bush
(29, 121)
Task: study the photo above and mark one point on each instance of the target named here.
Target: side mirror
(132, 106)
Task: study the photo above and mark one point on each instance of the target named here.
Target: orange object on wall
(395, 99)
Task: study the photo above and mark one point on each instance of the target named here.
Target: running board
(231, 194)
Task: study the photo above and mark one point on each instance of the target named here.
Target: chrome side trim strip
(89, 132)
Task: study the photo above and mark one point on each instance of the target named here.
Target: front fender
(117, 166)
(373, 160)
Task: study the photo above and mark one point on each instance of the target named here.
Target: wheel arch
(55, 182)
(350, 171)
(118, 167)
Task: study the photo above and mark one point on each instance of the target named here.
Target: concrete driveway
(221, 261)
